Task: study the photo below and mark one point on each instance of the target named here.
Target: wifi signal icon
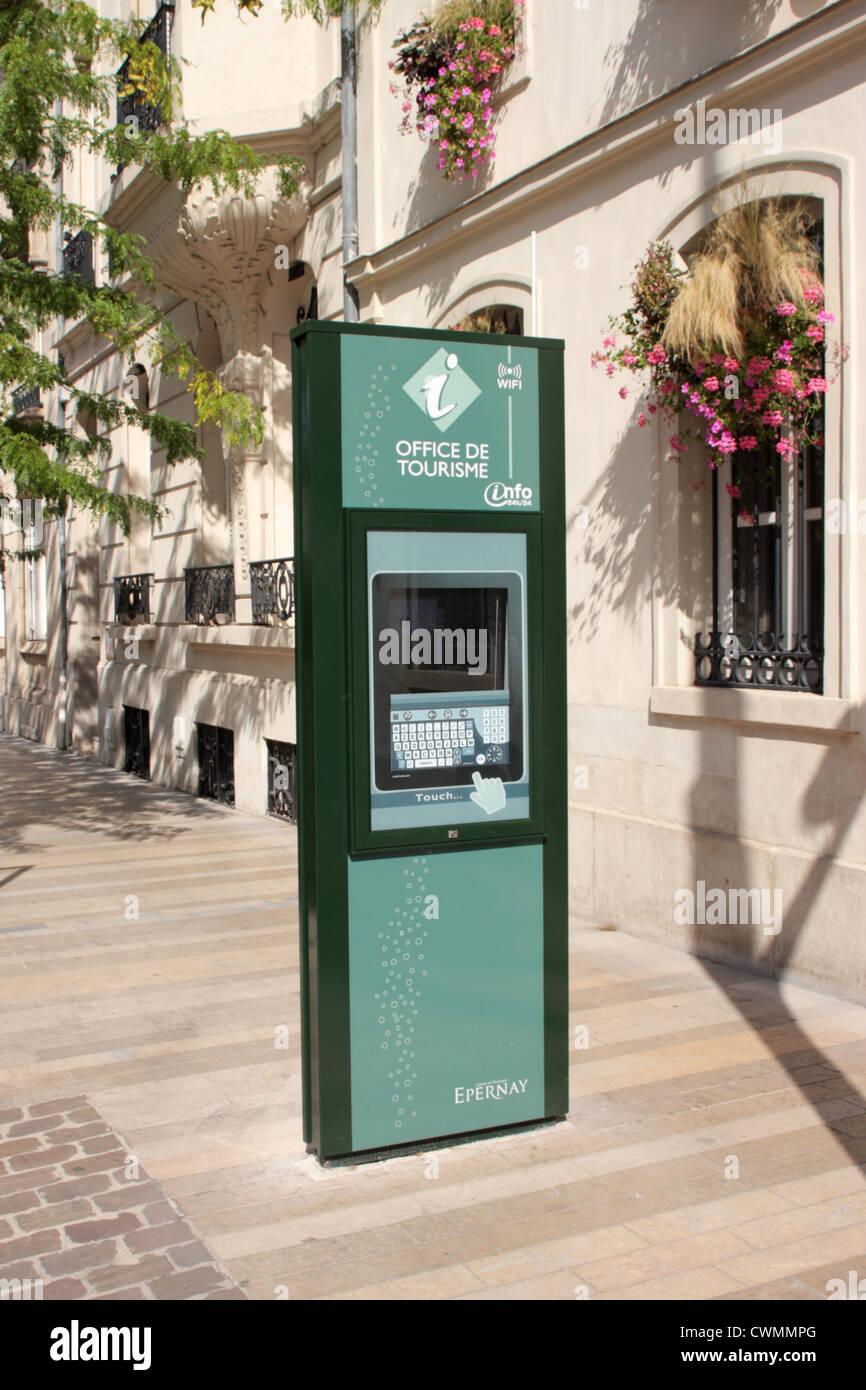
(510, 376)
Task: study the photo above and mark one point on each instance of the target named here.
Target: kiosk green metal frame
(431, 699)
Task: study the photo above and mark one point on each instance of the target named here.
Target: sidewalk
(150, 1134)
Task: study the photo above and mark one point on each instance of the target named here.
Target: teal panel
(436, 426)
(446, 994)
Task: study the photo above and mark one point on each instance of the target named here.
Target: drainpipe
(349, 123)
(63, 739)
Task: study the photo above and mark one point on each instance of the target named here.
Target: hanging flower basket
(736, 341)
(449, 68)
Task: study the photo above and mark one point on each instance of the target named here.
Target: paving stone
(9, 1116)
(159, 1237)
(102, 1228)
(19, 1202)
(129, 1196)
(185, 1285)
(55, 1215)
(20, 1247)
(81, 1257)
(61, 1106)
(61, 1289)
(27, 1144)
(123, 1275)
(75, 1187)
(187, 1256)
(98, 1163)
(156, 1213)
(41, 1158)
(43, 1126)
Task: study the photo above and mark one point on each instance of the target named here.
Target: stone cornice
(825, 39)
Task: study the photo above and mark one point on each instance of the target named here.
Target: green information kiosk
(431, 695)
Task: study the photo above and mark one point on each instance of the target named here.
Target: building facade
(177, 661)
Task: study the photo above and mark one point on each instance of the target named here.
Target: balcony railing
(210, 593)
(131, 108)
(765, 661)
(26, 399)
(272, 589)
(132, 597)
(78, 257)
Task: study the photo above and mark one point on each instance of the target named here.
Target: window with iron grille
(136, 734)
(35, 585)
(768, 595)
(216, 763)
(768, 570)
(282, 780)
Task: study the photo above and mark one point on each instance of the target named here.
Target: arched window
(494, 318)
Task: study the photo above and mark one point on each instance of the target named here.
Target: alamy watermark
(716, 907)
(703, 125)
(24, 515)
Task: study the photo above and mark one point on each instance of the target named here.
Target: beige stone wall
(742, 789)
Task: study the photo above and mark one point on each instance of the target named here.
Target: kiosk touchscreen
(448, 684)
(447, 695)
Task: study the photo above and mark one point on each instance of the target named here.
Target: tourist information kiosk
(429, 561)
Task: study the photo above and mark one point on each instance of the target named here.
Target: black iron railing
(26, 398)
(216, 763)
(759, 661)
(282, 780)
(272, 589)
(131, 108)
(136, 736)
(132, 597)
(210, 593)
(78, 257)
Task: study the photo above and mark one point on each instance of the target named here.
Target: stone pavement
(150, 1138)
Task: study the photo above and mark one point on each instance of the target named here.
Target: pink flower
(731, 364)
(817, 383)
(785, 448)
(623, 391)
(628, 358)
(653, 409)
(732, 490)
(610, 368)
(786, 308)
(727, 443)
(783, 381)
(641, 419)
(610, 341)
(815, 332)
(712, 383)
(772, 417)
(677, 443)
(813, 294)
(656, 355)
(824, 317)
(748, 441)
(758, 365)
(747, 517)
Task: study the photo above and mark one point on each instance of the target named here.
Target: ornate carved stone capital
(218, 249)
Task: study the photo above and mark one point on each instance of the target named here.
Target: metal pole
(349, 121)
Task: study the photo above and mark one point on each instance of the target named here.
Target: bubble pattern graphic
(403, 942)
(367, 452)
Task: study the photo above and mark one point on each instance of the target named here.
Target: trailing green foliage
(57, 100)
